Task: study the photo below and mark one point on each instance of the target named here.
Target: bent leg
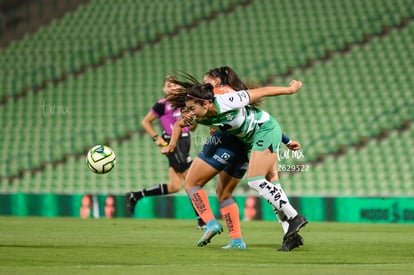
(272, 192)
(198, 175)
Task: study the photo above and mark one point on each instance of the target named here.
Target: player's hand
(187, 117)
(295, 85)
(161, 142)
(293, 145)
(167, 149)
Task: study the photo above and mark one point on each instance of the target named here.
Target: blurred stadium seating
(91, 76)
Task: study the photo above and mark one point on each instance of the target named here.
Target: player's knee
(187, 186)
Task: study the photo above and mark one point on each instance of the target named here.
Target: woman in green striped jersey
(233, 113)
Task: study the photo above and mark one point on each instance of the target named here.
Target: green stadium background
(89, 75)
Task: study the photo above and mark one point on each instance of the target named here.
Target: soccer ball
(100, 159)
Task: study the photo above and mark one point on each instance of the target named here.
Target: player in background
(179, 161)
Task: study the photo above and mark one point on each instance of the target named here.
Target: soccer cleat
(295, 225)
(291, 243)
(236, 244)
(213, 228)
(131, 201)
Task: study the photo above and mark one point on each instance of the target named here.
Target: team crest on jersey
(225, 156)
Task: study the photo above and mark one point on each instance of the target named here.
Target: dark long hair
(190, 89)
(230, 78)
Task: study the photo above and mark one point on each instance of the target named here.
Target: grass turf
(163, 246)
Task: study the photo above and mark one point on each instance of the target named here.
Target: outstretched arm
(259, 93)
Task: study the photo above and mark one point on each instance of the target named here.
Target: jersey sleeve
(158, 109)
(231, 101)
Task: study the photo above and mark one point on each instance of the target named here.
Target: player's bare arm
(259, 93)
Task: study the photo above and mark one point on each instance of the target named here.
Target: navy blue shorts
(225, 152)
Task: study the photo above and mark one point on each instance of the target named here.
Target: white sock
(287, 209)
(282, 220)
(274, 194)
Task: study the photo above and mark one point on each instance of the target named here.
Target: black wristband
(154, 137)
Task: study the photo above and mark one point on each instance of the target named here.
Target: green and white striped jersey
(236, 116)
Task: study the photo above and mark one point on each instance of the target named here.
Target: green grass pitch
(164, 246)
